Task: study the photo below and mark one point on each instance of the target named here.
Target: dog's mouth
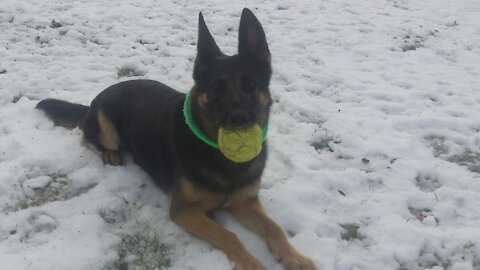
(236, 120)
(237, 128)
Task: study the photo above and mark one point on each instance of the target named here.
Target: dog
(149, 120)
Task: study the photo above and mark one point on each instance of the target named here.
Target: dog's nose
(238, 118)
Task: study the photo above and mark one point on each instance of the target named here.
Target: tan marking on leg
(109, 139)
(108, 133)
(252, 215)
(189, 209)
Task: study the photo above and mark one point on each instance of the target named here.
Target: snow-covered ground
(374, 138)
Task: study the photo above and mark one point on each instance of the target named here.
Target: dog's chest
(209, 200)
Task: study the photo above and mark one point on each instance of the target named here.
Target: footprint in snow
(42, 222)
(427, 182)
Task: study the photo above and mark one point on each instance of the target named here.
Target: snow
(374, 143)
(38, 182)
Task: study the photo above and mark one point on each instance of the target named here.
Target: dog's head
(232, 91)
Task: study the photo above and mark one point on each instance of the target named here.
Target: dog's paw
(248, 263)
(295, 261)
(112, 158)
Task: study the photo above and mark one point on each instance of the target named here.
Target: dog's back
(136, 115)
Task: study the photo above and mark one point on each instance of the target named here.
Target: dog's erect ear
(206, 46)
(251, 37)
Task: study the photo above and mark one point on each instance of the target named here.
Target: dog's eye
(248, 83)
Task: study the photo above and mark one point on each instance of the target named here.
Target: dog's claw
(112, 158)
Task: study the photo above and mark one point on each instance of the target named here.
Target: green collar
(187, 113)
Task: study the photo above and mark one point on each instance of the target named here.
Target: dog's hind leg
(109, 140)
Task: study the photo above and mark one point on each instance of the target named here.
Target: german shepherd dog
(146, 118)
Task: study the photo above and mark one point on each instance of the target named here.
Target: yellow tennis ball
(240, 145)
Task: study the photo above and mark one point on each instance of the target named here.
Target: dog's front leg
(194, 219)
(251, 214)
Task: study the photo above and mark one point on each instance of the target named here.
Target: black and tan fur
(145, 118)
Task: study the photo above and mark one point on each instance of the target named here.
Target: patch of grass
(59, 189)
(111, 216)
(41, 40)
(427, 182)
(141, 250)
(438, 145)
(128, 72)
(411, 47)
(55, 24)
(62, 32)
(365, 160)
(350, 232)
(95, 41)
(16, 98)
(53, 192)
(469, 159)
(412, 43)
(325, 141)
(143, 42)
(429, 258)
(83, 40)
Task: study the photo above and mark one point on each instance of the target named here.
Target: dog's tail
(63, 113)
